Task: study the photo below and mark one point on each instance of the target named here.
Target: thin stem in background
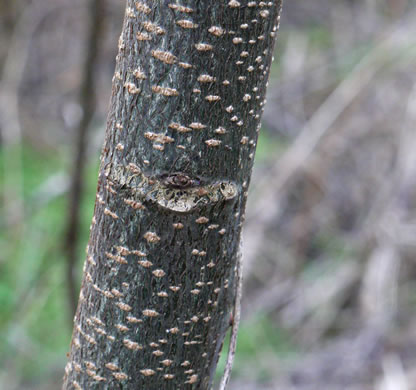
(88, 103)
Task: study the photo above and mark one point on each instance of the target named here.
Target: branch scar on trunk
(176, 191)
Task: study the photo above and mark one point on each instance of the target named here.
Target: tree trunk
(159, 284)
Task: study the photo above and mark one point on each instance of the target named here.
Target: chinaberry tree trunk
(159, 285)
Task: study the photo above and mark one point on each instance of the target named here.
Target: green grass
(34, 323)
(269, 146)
(34, 326)
(261, 343)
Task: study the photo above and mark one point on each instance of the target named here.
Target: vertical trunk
(87, 101)
(159, 282)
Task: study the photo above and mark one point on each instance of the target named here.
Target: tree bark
(160, 281)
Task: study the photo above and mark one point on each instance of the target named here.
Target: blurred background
(330, 238)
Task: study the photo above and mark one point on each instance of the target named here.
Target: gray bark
(159, 283)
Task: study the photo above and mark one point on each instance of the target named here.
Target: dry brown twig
(88, 103)
(235, 323)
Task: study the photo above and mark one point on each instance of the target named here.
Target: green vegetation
(34, 325)
(258, 339)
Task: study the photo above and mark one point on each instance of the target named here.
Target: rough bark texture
(159, 283)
